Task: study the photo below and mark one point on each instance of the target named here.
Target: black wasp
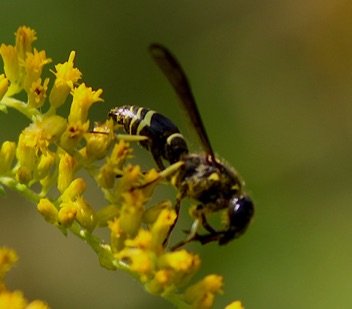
(202, 177)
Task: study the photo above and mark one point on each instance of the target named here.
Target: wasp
(200, 176)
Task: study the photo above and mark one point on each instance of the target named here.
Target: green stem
(22, 107)
(106, 257)
(23, 189)
(176, 300)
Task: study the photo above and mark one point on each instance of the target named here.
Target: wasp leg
(164, 174)
(177, 207)
(158, 161)
(204, 239)
(192, 233)
(170, 170)
(194, 236)
(212, 236)
(129, 138)
(206, 225)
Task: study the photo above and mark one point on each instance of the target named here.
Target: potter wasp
(202, 177)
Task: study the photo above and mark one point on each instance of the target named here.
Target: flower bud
(48, 211)
(86, 215)
(7, 154)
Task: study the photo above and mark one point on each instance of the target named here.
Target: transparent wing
(176, 76)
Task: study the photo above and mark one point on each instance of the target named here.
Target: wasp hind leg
(157, 159)
(194, 236)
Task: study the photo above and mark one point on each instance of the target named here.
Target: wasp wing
(176, 76)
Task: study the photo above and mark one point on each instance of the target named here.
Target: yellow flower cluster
(13, 299)
(53, 149)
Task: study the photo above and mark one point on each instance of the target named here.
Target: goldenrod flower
(67, 213)
(8, 299)
(7, 154)
(73, 135)
(180, 260)
(33, 65)
(37, 304)
(14, 58)
(44, 164)
(75, 187)
(8, 258)
(161, 227)
(235, 305)
(183, 264)
(12, 69)
(48, 210)
(25, 36)
(35, 140)
(117, 235)
(37, 93)
(138, 260)
(86, 215)
(143, 240)
(24, 175)
(11, 300)
(27, 157)
(151, 214)
(132, 212)
(66, 171)
(99, 141)
(201, 294)
(42, 133)
(83, 98)
(113, 165)
(66, 77)
(161, 282)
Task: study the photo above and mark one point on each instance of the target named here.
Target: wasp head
(240, 212)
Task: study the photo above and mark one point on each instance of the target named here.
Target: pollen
(214, 177)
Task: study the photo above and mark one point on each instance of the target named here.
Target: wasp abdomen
(164, 139)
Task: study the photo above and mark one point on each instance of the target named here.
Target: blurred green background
(273, 81)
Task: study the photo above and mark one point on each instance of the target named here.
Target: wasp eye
(241, 210)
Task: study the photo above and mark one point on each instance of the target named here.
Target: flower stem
(21, 107)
